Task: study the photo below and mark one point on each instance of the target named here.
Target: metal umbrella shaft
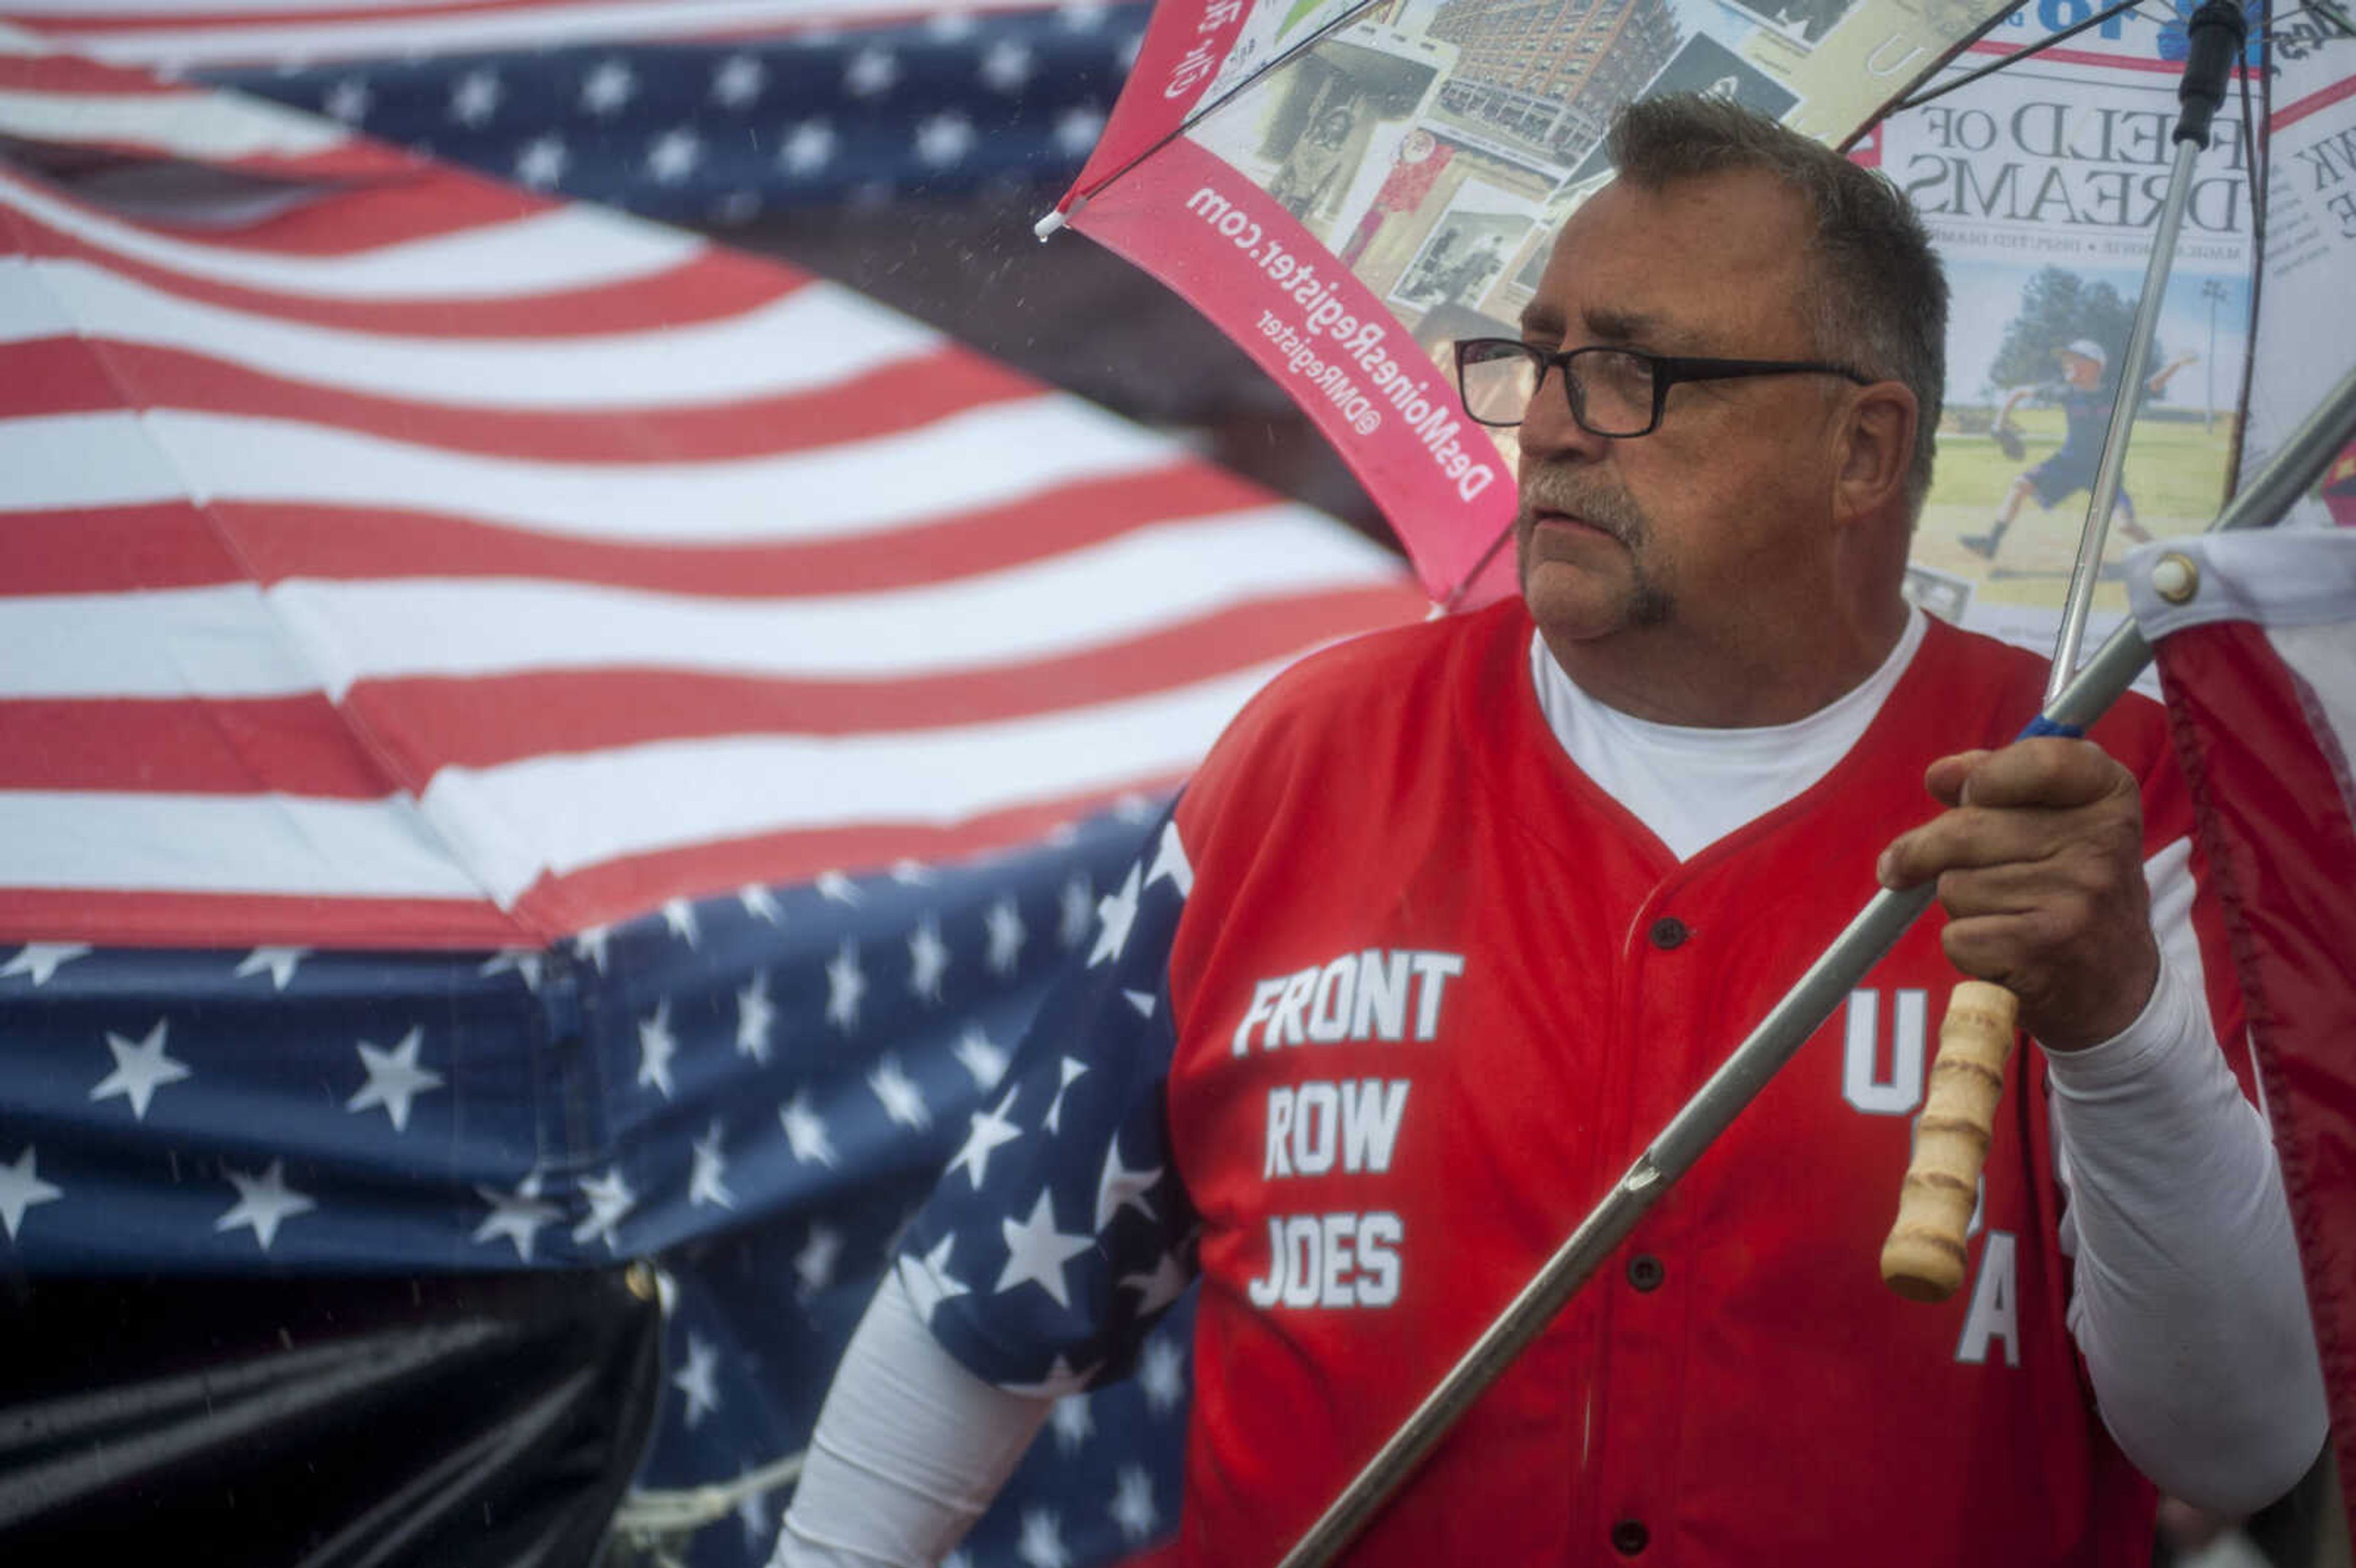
(1776, 1039)
(2215, 37)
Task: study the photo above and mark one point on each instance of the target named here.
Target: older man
(1455, 917)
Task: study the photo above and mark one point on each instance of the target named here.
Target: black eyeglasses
(1613, 391)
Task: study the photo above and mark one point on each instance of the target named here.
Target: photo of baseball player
(2085, 404)
(1456, 915)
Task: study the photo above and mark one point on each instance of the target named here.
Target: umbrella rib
(1207, 109)
(1945, 87)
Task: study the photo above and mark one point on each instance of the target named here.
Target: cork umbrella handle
(1923, 1258)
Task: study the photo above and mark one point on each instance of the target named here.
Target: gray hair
(1877, 297)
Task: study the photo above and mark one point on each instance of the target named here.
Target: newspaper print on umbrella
(1347, 188)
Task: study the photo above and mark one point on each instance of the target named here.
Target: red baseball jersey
(1418, 993)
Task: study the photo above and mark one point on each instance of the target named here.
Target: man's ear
(1876, 448)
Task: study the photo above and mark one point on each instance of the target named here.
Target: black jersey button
(1669, 932)
(1630, 1537)
(1646, 1273)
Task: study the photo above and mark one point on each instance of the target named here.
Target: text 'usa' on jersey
(1061, 1232)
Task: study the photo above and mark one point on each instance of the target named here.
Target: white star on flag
(1118, 912)
(903, 1101)
(808, 148)
(1076, 131)
(1157, 1290)
(1081, 15)
(1073, 1423)
(814, 1265)
(979, 1057)
(610, 1202)
(754, 1015)
(394, 1079)
(928, 1280)
(1042, 1545)
(679, 914)
(1076, 906)
(1006, 66)
(1134, 807)
(990, 1130)
(1037, 1251)
(1141, 1000)
(951, 26)
(671, 157)
(21, 1188)
(872, 72)
(1132, 1504)
(928, 961)
(911, 873)
(739, 80)
(845, 985)
(347, 101)
(761, 904)
(753, 1512)
(263, 1203)
(1161, 1374)
(1170, 860)
(41, 959)
(1073, 1068)
(1003, 926)
(707, 1183)
(540, 162)
(1120, 1187)
(656, 1048)
(944, 139)
(278, 961)
(523, 961)
(476, 97)
(831, 885)
(140, 1070)
(607, 88)
(515, 1216)
(694, 1381)
(590, 945)
(805, 1130)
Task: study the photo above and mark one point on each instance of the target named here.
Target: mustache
(1581, 494)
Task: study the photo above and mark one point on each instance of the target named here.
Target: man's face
(1703, 518)
(2079, 370)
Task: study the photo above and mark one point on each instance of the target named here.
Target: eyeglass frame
(1667, 371)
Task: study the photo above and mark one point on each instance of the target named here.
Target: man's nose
(1547, 429)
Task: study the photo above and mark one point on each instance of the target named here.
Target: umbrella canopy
(398, 559)
(1346, 189)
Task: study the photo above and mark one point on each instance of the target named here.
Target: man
(1455, 917)
(2086, 418)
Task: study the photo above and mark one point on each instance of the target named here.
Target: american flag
(714, 111)
(529, 739)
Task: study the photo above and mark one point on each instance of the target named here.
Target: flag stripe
(236, 640)
(299, 745)
(112, 460)
(429, 239)
(896, 397)
(200, 126)
(149, 35)
(302, 745)
(696, 287)
(250, 844)
(802, 341)
(151, 918)
(564, 813)
(168, 544)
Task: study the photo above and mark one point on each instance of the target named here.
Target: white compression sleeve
(908, 1451)
(2188, 1302)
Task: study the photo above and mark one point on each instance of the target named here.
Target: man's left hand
(2039, 864)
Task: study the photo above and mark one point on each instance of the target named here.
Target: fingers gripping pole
(1923, 1258)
